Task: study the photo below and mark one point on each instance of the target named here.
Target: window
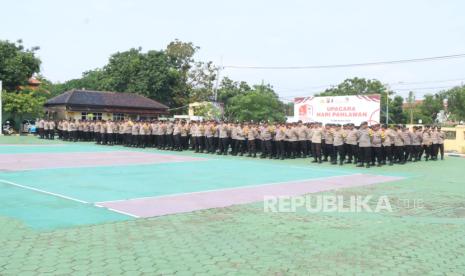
(118, 116)
(96, 116)
(84, 116)
(450, 135)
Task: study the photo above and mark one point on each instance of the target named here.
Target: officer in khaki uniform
(441, 137)
(399, 145)
(177, 136)
(302, 138)
(317, 135)
(239, 147)
(280, 135)
(252, 134)
(435, 143)
(329, 143)
(351, 144)
(208, 133)
(376, 145)
(40, 128)
(266, 137)
(388, 136)
(309, 138)
(407, 137)
(184, 135)
(338, 143)
(416, 143)
(364, 143)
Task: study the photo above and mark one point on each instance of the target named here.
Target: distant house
(33, 84)
(102, 105)
(407, 105)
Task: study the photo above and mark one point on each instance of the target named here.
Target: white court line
(62, 196)
(117, 211)
(42, 191)
(232, 188)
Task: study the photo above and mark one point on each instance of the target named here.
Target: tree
(229, 89)
(170, 76)
(181, 54)
(196, 79)
(17, 64)
(429, 107)
(289, 107)
(456, 102)
(362, 86)
(259, 104)
(208, 111)
(396, 114)
(148, 74)
(200, 82)
(356, 86)
(91, 80)
(21, 104)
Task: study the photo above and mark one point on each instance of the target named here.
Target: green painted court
(55, 200)
(52, 223)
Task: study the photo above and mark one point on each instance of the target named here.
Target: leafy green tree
(362, 86)
(91, 80)
(259, 104)
(229, 89)
(171, 76)
(201, 81)
(429, 107)
(181, 54)
(196, 79)
(148, 74)
(456, 102)
(356, 86)
(396, 114)
(289, 109)
(17, 64)
(22, 104)
(208, 111)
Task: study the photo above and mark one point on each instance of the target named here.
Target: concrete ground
(424, 233)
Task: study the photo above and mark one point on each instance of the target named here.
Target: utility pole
(387, 108)
(1, 110)
(387, 103)
(411, 100)
(218, 73)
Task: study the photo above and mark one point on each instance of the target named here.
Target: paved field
(62, 237)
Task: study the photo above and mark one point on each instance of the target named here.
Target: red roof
(33, 81)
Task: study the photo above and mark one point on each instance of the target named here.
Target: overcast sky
(75, 36)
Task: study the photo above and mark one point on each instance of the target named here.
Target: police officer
(351, 144)
(224, 138)
(441, 137)
(252, 135)
(416, 143)
(426, 142)
(302, 138)
(51, 130)
(338, 143)
(280, 135)
(317, 136)
(40, 128)
(376, 145)
(177, 136)
(266, 136)
(364, 144)
(388, 136)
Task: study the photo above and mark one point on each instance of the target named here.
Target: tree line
(173, 77)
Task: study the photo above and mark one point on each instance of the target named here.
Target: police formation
(339, 144)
